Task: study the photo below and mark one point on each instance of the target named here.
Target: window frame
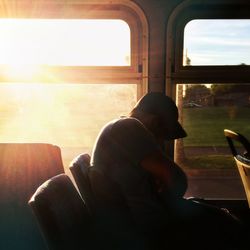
(124, 10)
(190, 10)
(176, 72)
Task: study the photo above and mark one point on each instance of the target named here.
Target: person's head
(159, 114)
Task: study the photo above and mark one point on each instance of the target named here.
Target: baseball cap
(159, 104)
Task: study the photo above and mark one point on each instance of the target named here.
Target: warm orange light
(63, 114)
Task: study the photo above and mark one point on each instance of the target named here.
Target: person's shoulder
(127, 122)
(122, 123)
(124, 126)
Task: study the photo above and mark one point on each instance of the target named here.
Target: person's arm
(129, 141)
(171, 177)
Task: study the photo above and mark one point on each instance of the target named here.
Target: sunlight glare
(64, 42)
(19, 71)
(60, 113)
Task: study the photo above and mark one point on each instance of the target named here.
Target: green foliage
(220, 89)
(195, 90)
(205, 125)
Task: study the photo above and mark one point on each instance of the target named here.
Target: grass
(205, 126)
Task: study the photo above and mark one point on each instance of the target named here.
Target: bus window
(64, 42)
(205, 111)
(210, 78)
(66, 113)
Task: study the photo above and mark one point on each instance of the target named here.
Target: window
(74, 42)
(209, 75)
(67, 115)
(205, 111)
(67, 69)
(55, 50)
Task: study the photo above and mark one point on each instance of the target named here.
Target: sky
(217, 42)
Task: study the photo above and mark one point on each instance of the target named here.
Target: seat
(62, 215)
(241, 156)
(79, 168)
(23, 167)
(113, 215)
(108, 207)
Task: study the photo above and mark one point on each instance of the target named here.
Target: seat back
(241, 157)
(23, 167)
(62, 214)
(79, 168)
(106, 202)
(243, 165)
(233, 137)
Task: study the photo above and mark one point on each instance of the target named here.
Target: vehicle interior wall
(157, 13)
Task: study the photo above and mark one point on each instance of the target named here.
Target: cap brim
(176, 132)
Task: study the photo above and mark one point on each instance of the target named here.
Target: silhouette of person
(129, 151)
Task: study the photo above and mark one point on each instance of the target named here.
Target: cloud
(219, 41)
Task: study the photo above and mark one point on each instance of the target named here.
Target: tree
(196, 93)
(220, 89)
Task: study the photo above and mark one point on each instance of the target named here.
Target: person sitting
(130, 152)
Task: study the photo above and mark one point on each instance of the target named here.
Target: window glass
(82, 42)
(68, 115)
(217, 42)
(205, 111)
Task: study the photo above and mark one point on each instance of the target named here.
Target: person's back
(119, 149)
